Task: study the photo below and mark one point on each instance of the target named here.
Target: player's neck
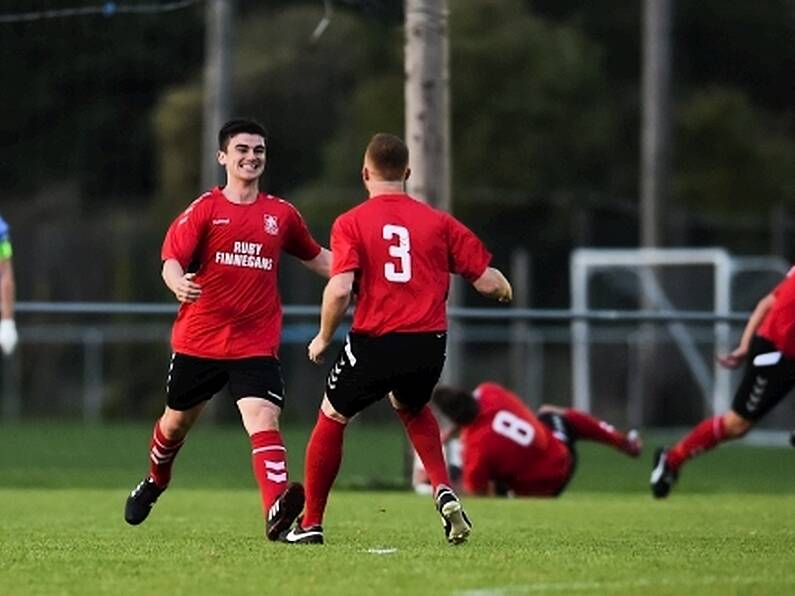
(241, 192)
(386, 187)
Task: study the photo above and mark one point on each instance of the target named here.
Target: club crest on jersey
(271, 225)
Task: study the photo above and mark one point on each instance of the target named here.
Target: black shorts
(192, 380)
(563, 432)
(768, 377)
(368, 368)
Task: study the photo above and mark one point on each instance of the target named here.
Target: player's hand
(8, 336)
(316, 349)
(507, 295)
(733, 360)
(186, 290)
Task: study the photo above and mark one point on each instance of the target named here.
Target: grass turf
(728, 529)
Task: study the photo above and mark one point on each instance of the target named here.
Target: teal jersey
(5, 241)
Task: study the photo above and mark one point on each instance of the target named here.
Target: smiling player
(221, 259)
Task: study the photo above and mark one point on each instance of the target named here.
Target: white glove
(8, 336)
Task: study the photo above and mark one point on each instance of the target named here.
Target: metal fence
(107, 361)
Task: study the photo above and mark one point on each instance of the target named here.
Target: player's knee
(735, 426)
(329, 411)
(174, 428)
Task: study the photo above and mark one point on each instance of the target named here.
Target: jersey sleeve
(6, 252)
(468, 255)
(299, 241)
(344, 247)
(475, 475)
(184, 235)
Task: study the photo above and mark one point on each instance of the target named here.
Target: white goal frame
(715, 386)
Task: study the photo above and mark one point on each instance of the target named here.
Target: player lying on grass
(507, 448)
(768, 346)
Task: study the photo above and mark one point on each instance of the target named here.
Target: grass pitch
(729, 528)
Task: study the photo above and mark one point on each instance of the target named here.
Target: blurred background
(572, 125)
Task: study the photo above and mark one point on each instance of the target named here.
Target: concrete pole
(427, 95)
(656, 120)
(655, 171)
(428, 101)
(217, 85)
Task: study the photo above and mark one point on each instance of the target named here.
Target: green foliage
(79, 94)
(730, 156)
(531, 109)
(296, 89)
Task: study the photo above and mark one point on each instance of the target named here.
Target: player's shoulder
(274, 203)
(204, 200)
(4, 228)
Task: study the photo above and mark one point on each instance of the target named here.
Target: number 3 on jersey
(510, 426)
(400, 251)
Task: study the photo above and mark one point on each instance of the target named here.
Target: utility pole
(428, 101)
(427, 93)
(217, 84)
(655, 167)
(655, 171)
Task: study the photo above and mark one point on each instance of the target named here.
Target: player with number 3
(399, 252)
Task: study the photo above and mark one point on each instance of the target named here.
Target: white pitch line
(382, 551)
(709, 580)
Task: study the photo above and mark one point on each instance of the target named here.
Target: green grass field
(728, 529)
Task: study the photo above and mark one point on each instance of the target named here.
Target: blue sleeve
(5, 241)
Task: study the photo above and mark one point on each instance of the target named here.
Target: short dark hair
(456, 404)
(235, 127)
(388, 155)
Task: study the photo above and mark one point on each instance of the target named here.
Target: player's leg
(590, 428)
(768, 377)
(191, 382)
(257, 386)
(423, 358)
(321, 465)
(350, 388)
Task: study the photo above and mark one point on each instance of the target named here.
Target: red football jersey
(234, 250)
(507, 443)
(403, 252)
(779, 323)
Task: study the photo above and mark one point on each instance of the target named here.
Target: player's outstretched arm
(493, 284)
(179, 282)
(737, 357)
(321, 264)
(336, 298)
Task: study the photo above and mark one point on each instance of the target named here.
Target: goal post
(713, 381)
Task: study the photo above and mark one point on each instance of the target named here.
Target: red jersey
(778, 326)
(507, 443)
(234, 250)
(403, 252)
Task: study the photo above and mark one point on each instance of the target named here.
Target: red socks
(323, 458)
(423, 432)
(706, 435)
(162, 452)
(592, 429)
(268, 460)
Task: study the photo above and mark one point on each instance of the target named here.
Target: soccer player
(505, 447)
(221, 259)
(8, 329)
(768, 346)
(400, 253)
